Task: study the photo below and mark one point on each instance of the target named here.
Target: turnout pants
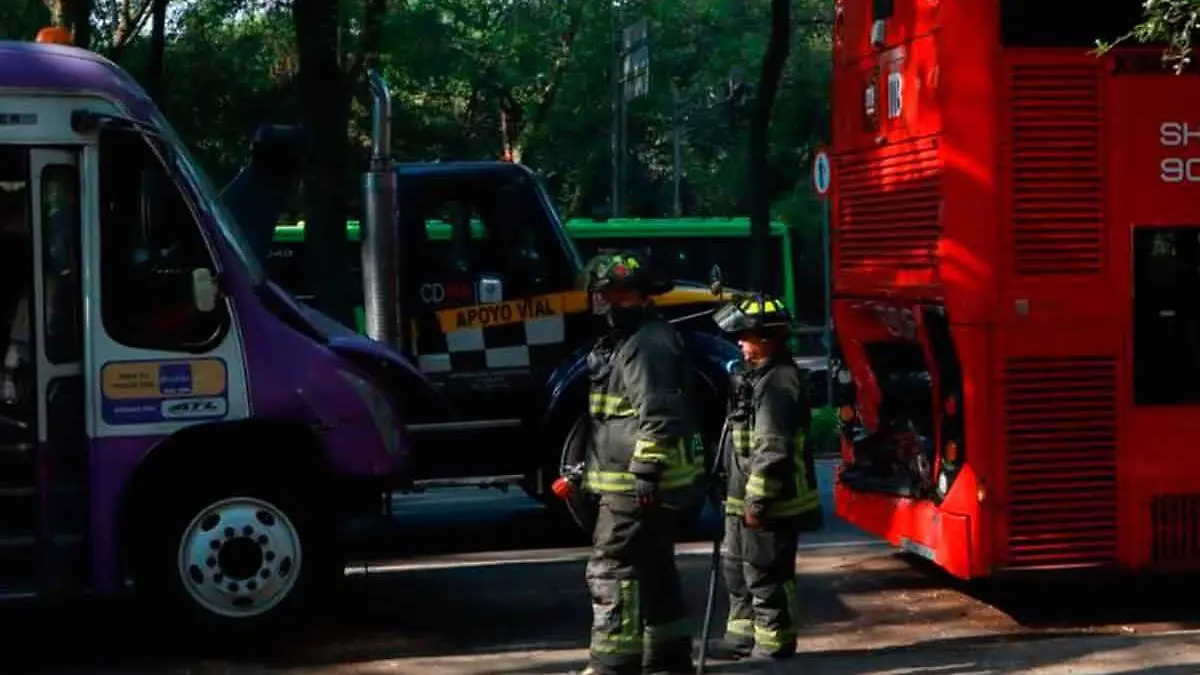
(637, 601)
(760, 573)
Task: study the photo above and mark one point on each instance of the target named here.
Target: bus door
(1165, 419)
(43, 442)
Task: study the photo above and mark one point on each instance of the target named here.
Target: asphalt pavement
(488, 583)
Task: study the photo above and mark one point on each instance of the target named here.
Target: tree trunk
(326, 91)
(158, 49)
(774, 60)
(325, 106)
(515, 127)
(81, 23)
(511, 124)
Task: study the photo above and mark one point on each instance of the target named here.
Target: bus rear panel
(1003, 195)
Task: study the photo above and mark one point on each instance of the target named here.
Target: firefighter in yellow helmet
(645, 465)
(771, 492)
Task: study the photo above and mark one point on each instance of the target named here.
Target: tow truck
(487, 304)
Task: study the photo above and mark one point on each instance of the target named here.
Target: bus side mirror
(717, 280)
(204, 290)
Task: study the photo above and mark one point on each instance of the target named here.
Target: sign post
(822, 178)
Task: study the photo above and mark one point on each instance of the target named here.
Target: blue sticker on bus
(149, 392)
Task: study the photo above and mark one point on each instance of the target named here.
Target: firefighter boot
(724, 650)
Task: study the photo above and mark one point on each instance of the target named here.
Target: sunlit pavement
(865, 611)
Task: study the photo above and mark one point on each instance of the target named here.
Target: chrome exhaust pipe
(380, 248)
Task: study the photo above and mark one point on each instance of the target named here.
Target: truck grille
(1061, 433)
(1056, 198)
(889, 207)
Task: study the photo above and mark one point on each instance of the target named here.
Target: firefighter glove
(645, 490)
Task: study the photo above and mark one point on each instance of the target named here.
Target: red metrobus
(1017, 286)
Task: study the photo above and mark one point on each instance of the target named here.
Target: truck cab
(497, 322)
(491, 312)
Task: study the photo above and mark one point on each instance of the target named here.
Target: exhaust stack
(380, 250)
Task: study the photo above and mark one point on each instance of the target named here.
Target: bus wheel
(235, 558)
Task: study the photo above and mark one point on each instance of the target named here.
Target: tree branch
(545, 98)
(123, 38)
(367, 53)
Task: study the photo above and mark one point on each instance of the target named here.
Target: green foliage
(825, 430)
(21, 19)
(1173, 23)
(459, 68)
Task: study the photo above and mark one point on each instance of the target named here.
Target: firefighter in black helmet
(771, 491)
(644, 463)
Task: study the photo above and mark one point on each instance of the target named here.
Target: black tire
(582, 508)
(262, 534)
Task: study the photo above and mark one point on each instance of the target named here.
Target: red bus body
(999, 200)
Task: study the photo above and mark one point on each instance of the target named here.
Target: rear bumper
(917, 526)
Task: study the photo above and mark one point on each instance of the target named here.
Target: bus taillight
(846, 413)
(951, 406)
(950, 452)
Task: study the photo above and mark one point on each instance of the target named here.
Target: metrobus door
(43, 450)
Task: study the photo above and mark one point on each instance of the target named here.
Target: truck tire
(237, 556)
(582, 506)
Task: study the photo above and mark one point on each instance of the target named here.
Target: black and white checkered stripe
(514, 345)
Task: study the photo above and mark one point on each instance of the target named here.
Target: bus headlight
(382, 413)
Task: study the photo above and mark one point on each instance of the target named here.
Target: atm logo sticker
(148, 392)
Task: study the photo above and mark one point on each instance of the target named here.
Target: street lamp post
(631, 81)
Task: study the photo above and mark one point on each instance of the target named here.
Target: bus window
(1065, 23)
(1166, 315)
(150, 243)
(16, 284)
(63, 309)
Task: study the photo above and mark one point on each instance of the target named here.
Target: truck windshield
(564, 238)
(207, 198)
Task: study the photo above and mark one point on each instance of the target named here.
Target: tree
(473, 79)
(774, 60)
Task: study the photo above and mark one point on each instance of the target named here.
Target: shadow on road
(1078, 601)
(993, 655)
(852, 604)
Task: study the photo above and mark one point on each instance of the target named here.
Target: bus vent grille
(1056, 182)
(1175, 521)
(1061, 433)
(889, 207)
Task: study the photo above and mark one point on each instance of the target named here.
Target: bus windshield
(208, 198)
(1066, 23)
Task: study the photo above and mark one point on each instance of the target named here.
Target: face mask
(625, 317)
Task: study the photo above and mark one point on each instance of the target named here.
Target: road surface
(471, 609)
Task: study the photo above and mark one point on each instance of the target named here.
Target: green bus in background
(688, 247)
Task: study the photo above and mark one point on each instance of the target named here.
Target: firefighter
(771, 490)
(644, 464)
